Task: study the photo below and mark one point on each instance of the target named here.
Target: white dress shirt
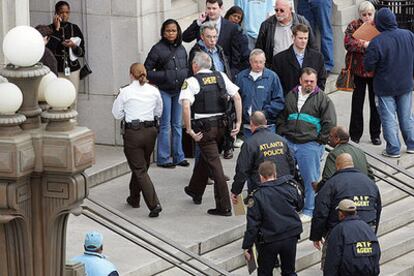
(191, 87)
(137, 102)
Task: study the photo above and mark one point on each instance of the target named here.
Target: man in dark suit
(228, 37)
(288, 64)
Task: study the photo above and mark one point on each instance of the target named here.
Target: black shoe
(228, 154)
(132, 202)
(355, 140)
(155, 212)
(218, 212)
(183, 163)
(196, 199)
(226, 177)
(167, 165)
(376, 141)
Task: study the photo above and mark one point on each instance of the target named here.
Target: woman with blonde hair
(355, 56)
(138, 105)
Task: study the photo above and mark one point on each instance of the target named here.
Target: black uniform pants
(210, 163)
(356, 126)
(267, 254)
(138, 147)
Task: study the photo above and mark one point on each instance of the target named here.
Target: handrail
(160, 237)
(408, 188)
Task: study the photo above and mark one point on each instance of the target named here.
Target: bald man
(339, 140)
(350, 183)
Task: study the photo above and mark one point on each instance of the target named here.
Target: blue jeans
(308, 156)
(248, 133)
(318, 13)
(389, 109)
(170, 127)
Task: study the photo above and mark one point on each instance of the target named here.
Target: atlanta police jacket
(353, 249)
(272, 212)
(262, 146)
(347, 183)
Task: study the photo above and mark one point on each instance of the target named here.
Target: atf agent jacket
(314, 121)
(353, 249)
(262, 146)
(351, 184)
(272, 212)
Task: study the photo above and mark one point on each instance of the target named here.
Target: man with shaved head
(275, 34)
(339, 140)
(261, 146)
(346, 183)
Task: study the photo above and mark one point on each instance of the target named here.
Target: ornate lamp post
(41, 165)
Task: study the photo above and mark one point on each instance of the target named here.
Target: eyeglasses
(280, 10)
(367, 14)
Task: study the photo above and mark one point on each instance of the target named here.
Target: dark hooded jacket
(391, 56)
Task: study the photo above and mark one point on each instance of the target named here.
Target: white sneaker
(305, 218)
(410, 151)
(238, 143)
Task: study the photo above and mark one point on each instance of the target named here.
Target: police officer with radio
(273, 223)
(262, 145)
(352, 247)
(204, 98)
(138, 105)
(346, 183)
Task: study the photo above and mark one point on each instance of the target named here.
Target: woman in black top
(60, 43)
(167, 67)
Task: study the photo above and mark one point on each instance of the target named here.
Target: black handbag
(85, 70)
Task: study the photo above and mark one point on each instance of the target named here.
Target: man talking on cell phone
(228, 33)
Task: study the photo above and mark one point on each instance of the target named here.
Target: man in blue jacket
(95, 263)
(272, 221)
(260, 90)
(352, 247)
(391, 56)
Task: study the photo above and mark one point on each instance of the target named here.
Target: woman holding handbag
(354, 58)
(167, 67)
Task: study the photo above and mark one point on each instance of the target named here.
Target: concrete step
(402, 266)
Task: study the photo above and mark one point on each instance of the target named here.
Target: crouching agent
(273, 223)
(205, 96)
(352, 247)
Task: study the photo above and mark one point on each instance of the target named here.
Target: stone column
(41, 183)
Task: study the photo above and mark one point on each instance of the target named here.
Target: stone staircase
(222, 244)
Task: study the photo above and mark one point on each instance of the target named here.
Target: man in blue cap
(95, 263)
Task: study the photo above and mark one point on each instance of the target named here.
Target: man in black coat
(280, 27)
(352, 247)
(288, 64)
(228, 33)
(264, 145)
(273, 223)
(346, 183)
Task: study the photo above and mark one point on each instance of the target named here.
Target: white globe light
(23, 46)
(42, 85)
(60, 93)
(11, 98)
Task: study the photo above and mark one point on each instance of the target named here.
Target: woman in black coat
(167, 67)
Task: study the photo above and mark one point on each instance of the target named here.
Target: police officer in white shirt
(204, 95)
(138, 105)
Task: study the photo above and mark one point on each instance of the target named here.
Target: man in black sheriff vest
(204, 97)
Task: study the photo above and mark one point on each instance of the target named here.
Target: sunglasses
(280, 10)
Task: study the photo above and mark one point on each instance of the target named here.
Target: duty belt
(205, 124)
(139, 125)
